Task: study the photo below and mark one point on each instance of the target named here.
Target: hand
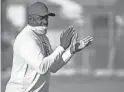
(78, 45)
(66, 37)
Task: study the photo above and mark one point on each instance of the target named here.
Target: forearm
(33, 56)
(62, 61)
(50, 60)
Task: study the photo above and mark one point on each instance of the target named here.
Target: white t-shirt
(33, 61)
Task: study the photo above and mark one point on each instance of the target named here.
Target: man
(33, 58)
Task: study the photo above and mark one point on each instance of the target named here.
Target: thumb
(77, 36)
(74, 39)
(62, 34)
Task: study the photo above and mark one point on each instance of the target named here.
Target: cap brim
(51, 14)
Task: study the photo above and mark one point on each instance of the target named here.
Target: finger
(77, 36)
(88, 39)
(68, 30)
(91, 39)
(62, 34)
(71, 30)
(89, 43)
(64, 31)
(71, 35)
(73, 38)
(72, 41)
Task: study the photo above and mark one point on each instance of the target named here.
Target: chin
(45, 31)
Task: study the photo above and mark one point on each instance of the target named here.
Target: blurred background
(98, 68)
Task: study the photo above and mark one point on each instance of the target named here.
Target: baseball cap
(39, 8)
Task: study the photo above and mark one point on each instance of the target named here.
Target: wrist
(72, 51)
(63, 47)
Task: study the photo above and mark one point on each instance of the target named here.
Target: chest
(45, 45)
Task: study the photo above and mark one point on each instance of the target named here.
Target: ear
(30, 18)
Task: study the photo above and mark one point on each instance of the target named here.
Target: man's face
(38, 23)
(37, 20)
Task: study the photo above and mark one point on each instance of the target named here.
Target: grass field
(79, 83)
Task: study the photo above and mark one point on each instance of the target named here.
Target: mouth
(44, 24)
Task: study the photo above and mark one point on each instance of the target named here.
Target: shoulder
(25, 39)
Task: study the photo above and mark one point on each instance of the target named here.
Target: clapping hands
(70, 39)
(77, 45)
(66, 37)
